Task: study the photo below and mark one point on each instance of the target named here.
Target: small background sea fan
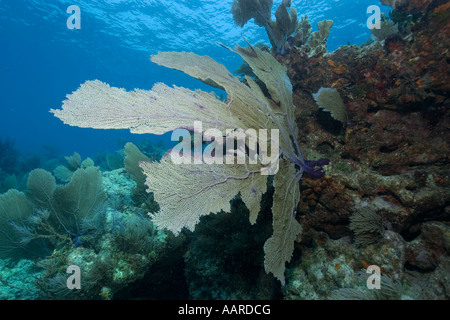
(330, 100)
(367, 226)
(387, 28)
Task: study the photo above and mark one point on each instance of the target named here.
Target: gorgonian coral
(187, 191)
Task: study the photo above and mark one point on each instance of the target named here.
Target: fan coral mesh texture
(186, 192)
(330, 100)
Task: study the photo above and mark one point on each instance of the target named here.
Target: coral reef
(387, 29)
(328, 265)
(427, 262)
(376, 201)
(232, 268)
(74, 162)
(47, 215)
(286, 31)
(395, 147)
(118, 242)
(68, 205)
(367, 226)
(389, 166)
(15, 209)
(317, 43)
(121, 254)
(381, 199)
(278, 31)
(17, 280)
(330, 100)
(416, 6)
(182, 202)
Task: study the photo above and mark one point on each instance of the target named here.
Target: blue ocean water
(41, 60)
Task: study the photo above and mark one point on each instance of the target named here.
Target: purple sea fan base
(313, 168)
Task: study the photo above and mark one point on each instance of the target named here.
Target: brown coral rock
(396, 146)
